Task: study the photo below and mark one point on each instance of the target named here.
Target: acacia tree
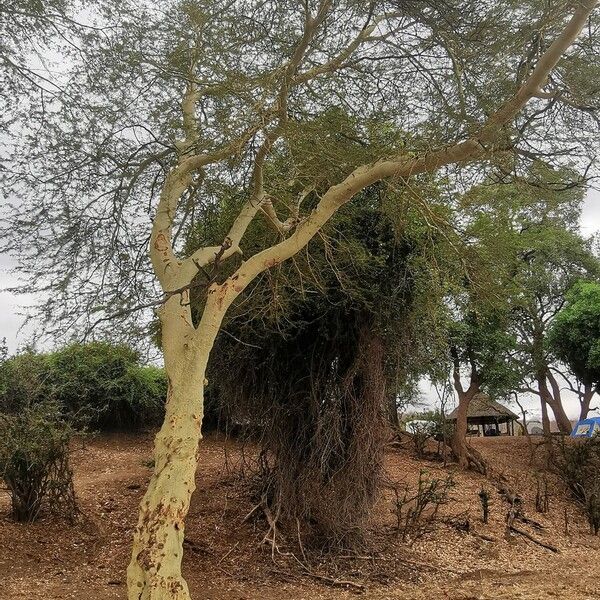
(33, 36)
(158, 543)
(252, 74)
(550, 266)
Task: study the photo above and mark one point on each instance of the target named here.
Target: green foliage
(525, 235)
(465, 59)
(376, 262)
(575, 333)
(97, 385)
(330, 335)
(34, 460)
(22, 381)
(105, 387)
(483, 336)
(438, 427)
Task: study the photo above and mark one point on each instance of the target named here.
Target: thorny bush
(416, 510)
(578, 464)
(34, 461)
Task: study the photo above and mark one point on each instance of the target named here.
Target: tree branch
(406, 166)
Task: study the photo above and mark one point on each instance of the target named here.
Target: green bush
(104, 386)
(98, 386)
(22, 381)
(34, 461)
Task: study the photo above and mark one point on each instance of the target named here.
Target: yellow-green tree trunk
(154, 572)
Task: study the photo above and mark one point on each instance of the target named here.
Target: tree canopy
(90, 163)
(574, 336)
(298, 108)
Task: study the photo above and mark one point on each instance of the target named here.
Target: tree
(482, 342)
(31, 32)
(158, 542)
(341, 329)
(574, 338)
(251, 82)
(526, 231)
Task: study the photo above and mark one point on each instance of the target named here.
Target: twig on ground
(228, 552)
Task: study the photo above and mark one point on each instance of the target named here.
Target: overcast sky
(12, 307)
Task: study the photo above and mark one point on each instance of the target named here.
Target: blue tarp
(586, 427)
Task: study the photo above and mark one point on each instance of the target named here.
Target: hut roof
(482, 406)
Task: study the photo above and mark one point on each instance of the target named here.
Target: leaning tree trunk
(554, 400)
(466, 456)
(458, 442)
(585, 400)
(154, 572)
(562, 420)
(545, 418)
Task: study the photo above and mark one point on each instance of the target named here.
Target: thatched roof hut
(485, 412)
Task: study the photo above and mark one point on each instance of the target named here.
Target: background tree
(35, 37)
(574, 338)
(480, 344)
(530, 230)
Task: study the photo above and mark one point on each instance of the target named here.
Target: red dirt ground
(224, 559)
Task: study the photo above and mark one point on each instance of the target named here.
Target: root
(532, 538)
(477, 462)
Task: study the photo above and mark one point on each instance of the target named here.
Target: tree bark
(154, 572)
(585, 400)
(458, 443)
(555, 401)
(545, 417)
(392, 412)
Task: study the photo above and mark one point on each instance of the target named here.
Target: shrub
(97, 385)
(105, 387)
(34, 461)
(421, 432)
(416, 510)
(22, 381)
(578, 464)
(426, 426)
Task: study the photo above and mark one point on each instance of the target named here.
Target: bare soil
(225, 559)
